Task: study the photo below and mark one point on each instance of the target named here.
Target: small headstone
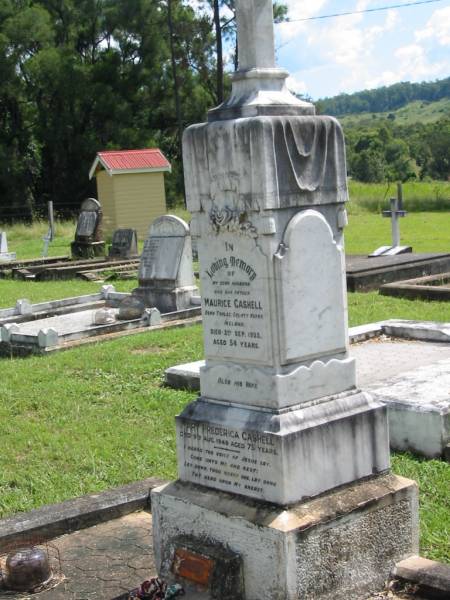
(104, 316)
(166, 276)
(107, 290)
(24, 307)
(47, 338)
(5, 256)
(131, 308)
(152, 316)
(124, 244)
(6, 331)
(88, 241)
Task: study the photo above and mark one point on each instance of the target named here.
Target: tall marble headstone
(166, 275)
(5, 256)
(280, 420)
(88, 241)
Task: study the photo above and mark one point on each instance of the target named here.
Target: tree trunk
(219, 52)
(176, 84)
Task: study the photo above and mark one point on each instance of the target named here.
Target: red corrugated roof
(122, 160)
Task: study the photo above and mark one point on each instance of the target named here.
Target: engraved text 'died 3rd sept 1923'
(236, 306)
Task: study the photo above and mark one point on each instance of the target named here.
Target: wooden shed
(130, 187)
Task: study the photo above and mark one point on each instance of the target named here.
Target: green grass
(26, 240)
(433, 477)
(425, 232)
(371, 307)
(99, 416)
(418, 196)
(11, 291)
(414, 112)
(89, 419)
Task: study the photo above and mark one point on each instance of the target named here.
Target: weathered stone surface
(104, 316)
(279, 418)
(131, 308)
(124, 244)
(88, 220)
(419, 408)
(88, 241)
(282, 457)
(336, 547)
(166, 276)
(265, 163)
(59, 519)
(433, 578)
(309, 327)
(47, 338)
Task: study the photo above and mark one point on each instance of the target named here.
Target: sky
(364, 51)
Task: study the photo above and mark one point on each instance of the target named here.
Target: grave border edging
(53, 520)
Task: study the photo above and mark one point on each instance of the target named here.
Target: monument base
(338, 546)
(87, 250)
(167, 300)
(283, 456)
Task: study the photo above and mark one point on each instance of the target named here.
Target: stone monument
(166, 276)
(88, 241)
(124, 244)
(395, 214)
(284, 487)
(5, 256)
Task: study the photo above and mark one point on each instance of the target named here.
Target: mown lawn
(99, 415)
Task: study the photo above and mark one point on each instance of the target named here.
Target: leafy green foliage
(396, 133)
(383, 99)
(77, 76)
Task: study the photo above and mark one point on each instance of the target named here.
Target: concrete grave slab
(59, 324)
(432, 287)
(365, 274)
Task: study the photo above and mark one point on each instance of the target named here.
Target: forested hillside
(396, 133)
(385, 99)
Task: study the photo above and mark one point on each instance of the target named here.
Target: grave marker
(280, 419)
(5, 256)
(124, 244)
(166, 276)
(395, 213)
(88, 242)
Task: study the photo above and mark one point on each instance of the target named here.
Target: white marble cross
(395, 213)
(255, 34)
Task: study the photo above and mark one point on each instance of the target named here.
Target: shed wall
(139, 199)
(105, 193)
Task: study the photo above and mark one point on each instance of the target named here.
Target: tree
(77, 76)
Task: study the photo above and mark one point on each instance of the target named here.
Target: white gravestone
(279, 419)
(5, 256)
(166, 275)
